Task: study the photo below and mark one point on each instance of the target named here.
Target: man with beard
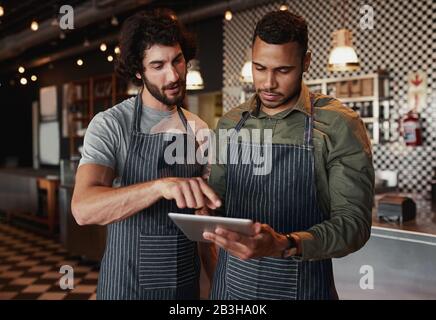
(128, 182)
(315, 203)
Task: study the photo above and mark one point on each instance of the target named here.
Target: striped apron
(286, 200)
(147, 256)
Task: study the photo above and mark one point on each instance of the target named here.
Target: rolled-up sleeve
(351, 189)
(101, 142)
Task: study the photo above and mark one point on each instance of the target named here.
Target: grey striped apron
(286, 200)
(147, 256)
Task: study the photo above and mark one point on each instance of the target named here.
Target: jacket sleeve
(351, 189)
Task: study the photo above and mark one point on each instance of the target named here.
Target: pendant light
(246, 72)
(343, 57)
(34, 26)
(228, 14)
(283, 6)
(194, 80)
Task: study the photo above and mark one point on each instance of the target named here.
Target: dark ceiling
(19, 14)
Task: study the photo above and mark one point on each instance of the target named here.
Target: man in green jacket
(314, 203)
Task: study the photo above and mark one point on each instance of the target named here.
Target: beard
(159, 94)
(284, 99)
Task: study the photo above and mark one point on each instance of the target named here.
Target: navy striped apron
(286, 200)
(147, 256)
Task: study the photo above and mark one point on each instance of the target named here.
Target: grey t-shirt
(108, 134)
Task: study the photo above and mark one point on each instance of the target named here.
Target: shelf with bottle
(88, 97)
(368, 95)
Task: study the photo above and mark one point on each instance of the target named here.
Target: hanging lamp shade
(246, 71)
(194, 80)
(343, 57)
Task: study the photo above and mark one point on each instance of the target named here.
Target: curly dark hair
(145, 29)
(279, 27)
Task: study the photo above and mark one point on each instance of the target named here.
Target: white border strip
(404, 239)
(405, 231)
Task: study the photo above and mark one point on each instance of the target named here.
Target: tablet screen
(193, 226)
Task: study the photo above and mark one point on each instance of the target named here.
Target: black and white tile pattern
(403, 40)
(30, 265)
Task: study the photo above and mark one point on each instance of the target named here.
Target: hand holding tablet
(193, 226)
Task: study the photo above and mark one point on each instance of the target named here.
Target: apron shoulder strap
(308, 126)
(136, 123)
(246, 115)
(185, 121)
(241, 122)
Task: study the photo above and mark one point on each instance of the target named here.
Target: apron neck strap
(138, 112)
(185, 121)
(308, 122)
(247, 114)
(241, 122)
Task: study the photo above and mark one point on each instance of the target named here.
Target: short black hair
(279, 27)
(145, 29)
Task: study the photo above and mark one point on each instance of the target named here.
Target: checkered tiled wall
(403, 39)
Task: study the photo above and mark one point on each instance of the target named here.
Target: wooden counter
(19, 191)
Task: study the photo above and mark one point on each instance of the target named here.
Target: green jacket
(343, 165)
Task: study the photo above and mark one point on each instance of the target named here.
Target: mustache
(174, 85)
(269, 91)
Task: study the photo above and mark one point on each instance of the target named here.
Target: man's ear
(306, 61)
(138, 76)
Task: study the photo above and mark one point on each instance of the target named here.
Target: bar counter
(397, 262)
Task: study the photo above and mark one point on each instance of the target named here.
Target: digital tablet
(193, 226)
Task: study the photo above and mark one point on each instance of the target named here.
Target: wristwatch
(293, 243)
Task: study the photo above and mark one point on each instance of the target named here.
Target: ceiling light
(283, 7)
(114, 21)
(2, 11)
(79, 62)
(21, 69)
(110, 58)
(246, 73)
(228, 15)
(34, 25)
(23, 81)
(117, 50)
(54, 22)
(343, 57)
(194, 80)
(33, 78)
(103, 47)
(132, 90)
